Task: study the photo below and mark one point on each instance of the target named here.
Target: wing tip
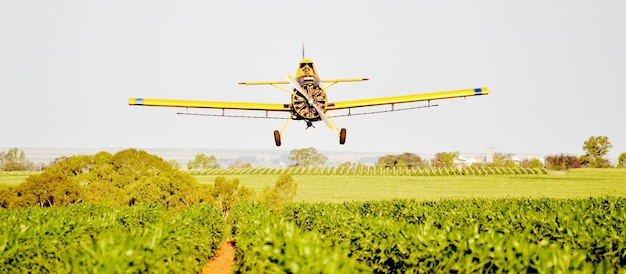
(481, 91)
(135, 101)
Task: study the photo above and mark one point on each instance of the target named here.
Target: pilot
(307, 70)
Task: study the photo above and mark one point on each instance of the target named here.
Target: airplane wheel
(342, 136)
(277, 138)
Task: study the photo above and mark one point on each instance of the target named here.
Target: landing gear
(277, 138)
(342, 136)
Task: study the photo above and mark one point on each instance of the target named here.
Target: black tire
(342, 136)
(277, 138)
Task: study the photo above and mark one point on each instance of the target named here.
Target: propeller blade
(319, 110)
(297, 86)
(323, 116)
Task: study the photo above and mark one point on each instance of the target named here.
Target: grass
(579, 183)
(14, 177)
(576, 183)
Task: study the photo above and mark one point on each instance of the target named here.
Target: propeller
(297, 86)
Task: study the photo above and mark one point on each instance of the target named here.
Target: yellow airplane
(309, 101)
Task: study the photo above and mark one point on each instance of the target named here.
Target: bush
(281, 194)
(562, 162)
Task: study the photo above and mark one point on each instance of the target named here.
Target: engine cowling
(304, 109)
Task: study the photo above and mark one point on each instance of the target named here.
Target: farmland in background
(575, 183)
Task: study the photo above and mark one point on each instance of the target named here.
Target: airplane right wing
(407, 98)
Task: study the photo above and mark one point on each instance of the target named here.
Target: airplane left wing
(407, 98)
(323, 81)
(207, 104)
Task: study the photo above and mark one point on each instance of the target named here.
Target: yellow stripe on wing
(265, 83)
(323, 81)
(408, 98)
(344, 80)
(207, 104)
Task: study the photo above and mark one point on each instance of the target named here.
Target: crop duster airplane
(309, 100)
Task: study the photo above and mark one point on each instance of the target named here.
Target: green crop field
(14, 177)
(344, 223)
(578, 183)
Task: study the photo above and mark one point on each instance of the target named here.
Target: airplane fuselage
(303, 109)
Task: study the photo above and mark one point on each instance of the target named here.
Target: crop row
(266, 244)
(375, 171)
(101, 239)
(405, 236)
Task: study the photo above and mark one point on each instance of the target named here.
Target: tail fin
(302, 50)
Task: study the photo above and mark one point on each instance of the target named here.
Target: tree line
(596, 148)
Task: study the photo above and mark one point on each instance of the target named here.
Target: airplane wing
(207, 104)
(407, 98)
(323, 81)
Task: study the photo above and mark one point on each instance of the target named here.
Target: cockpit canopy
(306, 69)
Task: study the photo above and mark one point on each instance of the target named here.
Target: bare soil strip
(223, 261)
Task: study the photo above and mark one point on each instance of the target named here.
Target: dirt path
(223, 261)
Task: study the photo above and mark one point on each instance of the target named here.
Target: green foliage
(127, 177)
(596, 147)
(404, 160)
(239, 164)
(203, 162)
(281, 194)
(168, 189)
(444, 159)
(102, 239)
(227, 194)
(621, 161)
(507, 235)
(531, 163)
(345, 165)
(53, 187)
(562, 162)
(266, 244)
(174, 164)
(7, 196)
(14, 160)
(502, 160)
(307, 157)
(368, 171)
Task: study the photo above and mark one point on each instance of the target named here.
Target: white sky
(556, 71)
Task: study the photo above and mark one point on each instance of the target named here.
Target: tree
(203, 162)
(410, 160)
(531, 163)
(175, 165)
(7, 196)
(621, 161)
(14, 160)
(53, 187)
(239, 164)
(228, 193)
(281, 194)
(502, 160)
(562, 162)
(445, 159)
(168, 189)
(306, 157)
(128, 177)
(596, 147)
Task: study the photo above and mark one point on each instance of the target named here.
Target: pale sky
(556, 71)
